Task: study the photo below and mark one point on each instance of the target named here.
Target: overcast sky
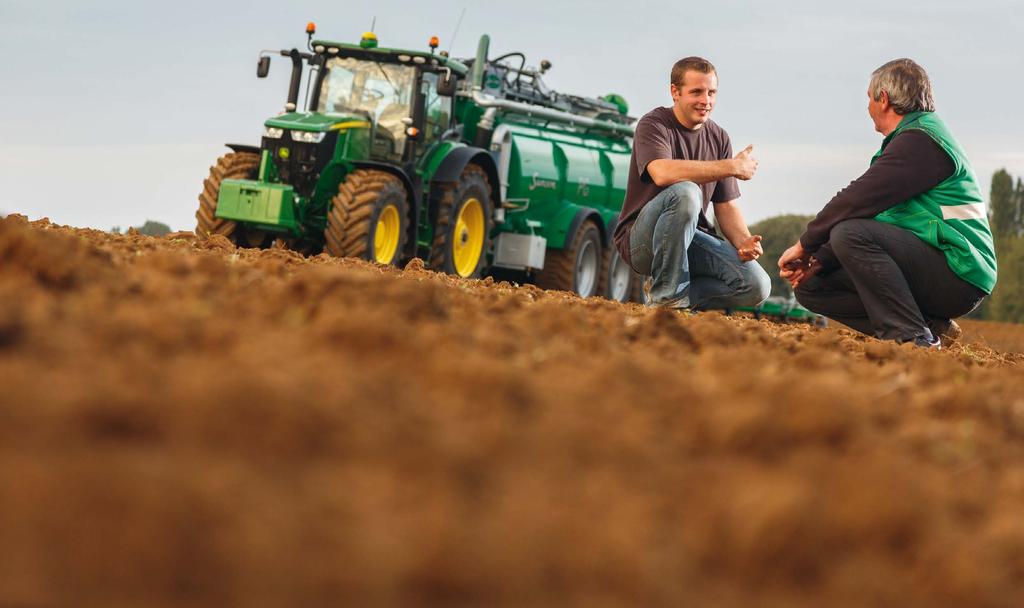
(112, 112)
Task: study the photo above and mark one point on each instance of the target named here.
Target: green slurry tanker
(473, 165)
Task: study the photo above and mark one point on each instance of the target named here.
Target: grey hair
(907, 85)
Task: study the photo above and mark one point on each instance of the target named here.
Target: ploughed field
(186, 423)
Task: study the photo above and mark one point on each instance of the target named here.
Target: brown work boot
(951, 334)
(681, 304)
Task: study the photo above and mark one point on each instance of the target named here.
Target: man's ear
(883, 99)
(674, 91)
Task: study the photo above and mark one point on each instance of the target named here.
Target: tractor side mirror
(446, 84)
(263, 67)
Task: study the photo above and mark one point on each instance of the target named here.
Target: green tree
(151, 228)
(1006, 200)
(1019, 204)
(779, 233)
(1003, 203)
(1007, 300)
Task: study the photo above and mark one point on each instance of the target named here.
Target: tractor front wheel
(233, 165)
(576, 268)
(368, 218)
(462, 233)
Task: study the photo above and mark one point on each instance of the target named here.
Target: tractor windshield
(381, 92)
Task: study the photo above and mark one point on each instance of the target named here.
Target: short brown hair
(907, 85)
(687, 64)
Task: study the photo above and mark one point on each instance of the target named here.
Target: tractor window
(379, 92)
(437, 109)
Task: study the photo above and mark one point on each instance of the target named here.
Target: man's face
(695, 99)
(876, 109)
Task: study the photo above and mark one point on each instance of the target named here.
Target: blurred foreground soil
(183, 423)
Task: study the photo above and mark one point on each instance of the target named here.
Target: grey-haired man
(906, 248)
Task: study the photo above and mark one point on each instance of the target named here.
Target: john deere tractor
(473, 165)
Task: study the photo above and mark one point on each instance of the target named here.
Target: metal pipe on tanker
(492, 104)
(486, 101)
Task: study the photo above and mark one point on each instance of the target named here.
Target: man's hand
(750, 248)
(799, 271)
(744, 165)
(796, 266)
(793, 254)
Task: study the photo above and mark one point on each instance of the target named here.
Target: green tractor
(473, 165)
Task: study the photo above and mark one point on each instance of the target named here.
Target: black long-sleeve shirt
(910, 164)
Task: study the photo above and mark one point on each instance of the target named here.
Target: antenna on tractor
(373, 24)
(458, 24)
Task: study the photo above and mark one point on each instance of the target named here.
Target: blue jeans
(689, 268)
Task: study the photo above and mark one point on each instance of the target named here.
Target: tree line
(1006, 216)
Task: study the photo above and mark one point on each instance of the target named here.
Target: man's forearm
(731, 223)
(665, 172)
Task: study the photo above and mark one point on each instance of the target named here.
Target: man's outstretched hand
(750, 248)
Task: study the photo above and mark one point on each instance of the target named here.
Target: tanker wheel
(576, 268)
(619, 282)
(462, 233)
(368, 217)
(233, 165)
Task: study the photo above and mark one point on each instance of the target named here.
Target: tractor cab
(405, 97)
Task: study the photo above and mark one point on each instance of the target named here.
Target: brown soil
(1005, 337)
(186, 423)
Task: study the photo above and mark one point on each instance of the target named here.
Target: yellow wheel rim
(468, 238)
(386, 236)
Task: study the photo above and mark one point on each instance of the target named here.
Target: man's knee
(686, 198)
(849, 234)
(757, 285)
(807, 295)
(763, 287)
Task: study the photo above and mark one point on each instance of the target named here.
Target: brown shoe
(681, 304)
(951, 334)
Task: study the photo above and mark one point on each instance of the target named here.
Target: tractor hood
(310, 121)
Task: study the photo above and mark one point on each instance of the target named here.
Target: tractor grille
(301, 164)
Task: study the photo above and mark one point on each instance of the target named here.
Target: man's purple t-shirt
(660, 135)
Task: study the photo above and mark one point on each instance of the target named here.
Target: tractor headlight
(273, 133)
(309, 137)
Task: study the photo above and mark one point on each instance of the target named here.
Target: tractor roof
(392, 55)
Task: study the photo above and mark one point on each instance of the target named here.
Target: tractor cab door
(436, 114)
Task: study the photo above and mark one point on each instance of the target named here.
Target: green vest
(951, 216)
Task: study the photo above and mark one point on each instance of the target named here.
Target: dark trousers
(890, 284)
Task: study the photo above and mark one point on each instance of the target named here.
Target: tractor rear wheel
(233, 165)
(576, 268)
(462, 233)
(619, 282)
(368, 218)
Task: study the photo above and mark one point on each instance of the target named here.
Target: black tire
(355, 211)
(233, 165)
(577, 268)
(472, 185)
(619, 282)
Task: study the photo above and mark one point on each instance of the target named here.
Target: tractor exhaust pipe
(293, 87)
